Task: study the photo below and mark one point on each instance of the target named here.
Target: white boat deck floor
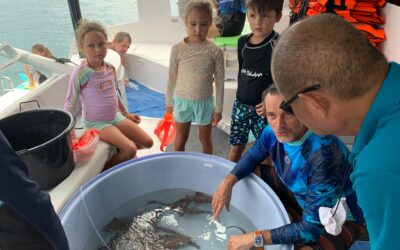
(219, 139)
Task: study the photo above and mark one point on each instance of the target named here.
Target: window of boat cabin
(174, 7)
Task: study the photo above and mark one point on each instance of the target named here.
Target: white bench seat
(90, 166)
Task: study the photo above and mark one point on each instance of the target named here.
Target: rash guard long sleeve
(313, 168)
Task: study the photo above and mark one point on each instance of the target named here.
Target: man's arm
(26, 197)
(255, 155)
(323, 171)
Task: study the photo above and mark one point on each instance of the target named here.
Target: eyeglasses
(285, 105)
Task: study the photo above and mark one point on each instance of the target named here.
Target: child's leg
(126, 148)
(240, 129)
(182, 135)
(205, 138)
(135, 133)
(235, 152)
(258, 123)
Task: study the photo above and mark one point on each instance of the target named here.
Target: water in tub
(169, 219)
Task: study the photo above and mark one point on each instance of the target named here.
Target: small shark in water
(182, 206)
(142, 232)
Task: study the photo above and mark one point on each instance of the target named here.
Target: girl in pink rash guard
(94, 82)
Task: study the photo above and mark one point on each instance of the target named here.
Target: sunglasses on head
(285, 105)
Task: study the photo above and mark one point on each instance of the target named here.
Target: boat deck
(219, 139)
(89, 167)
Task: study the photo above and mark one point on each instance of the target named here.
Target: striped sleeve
(173, 73)
(219, 75)
(79, 77)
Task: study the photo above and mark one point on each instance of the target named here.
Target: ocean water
(26, 22)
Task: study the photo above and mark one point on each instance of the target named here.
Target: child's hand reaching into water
(133, 117)
(216, 117)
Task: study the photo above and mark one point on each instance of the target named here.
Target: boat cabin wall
(392, 29)
(155, 24)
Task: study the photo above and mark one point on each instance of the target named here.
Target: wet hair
(42, 49)
(262, 6)
(272, 90)
(326, 50)
(120, 36)
(86, 26)
(203, 6)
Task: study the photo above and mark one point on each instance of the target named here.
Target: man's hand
(241, 242)
(222, 196)
(216, 117)
(133, 117)
(260, 109)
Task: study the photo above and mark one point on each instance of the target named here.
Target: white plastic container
(198, 172)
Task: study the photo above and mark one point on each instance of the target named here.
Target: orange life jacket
(362, 13)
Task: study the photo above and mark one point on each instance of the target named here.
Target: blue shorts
(198, 111)
(102, 124)
(245, 118)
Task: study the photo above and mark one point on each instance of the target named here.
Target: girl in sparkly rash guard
(196, 63)
(94, 82)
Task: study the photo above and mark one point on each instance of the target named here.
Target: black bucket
(41, 139)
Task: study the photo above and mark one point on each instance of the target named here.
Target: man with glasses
(358, 94)
(309, 172)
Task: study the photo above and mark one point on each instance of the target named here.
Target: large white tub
(198, 172)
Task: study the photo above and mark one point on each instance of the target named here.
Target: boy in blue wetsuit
(254, 76)
(313, 169)
(355, 92)
(27, 217)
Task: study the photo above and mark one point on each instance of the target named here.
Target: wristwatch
(258, 240)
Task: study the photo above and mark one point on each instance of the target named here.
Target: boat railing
(3, 88)
(37, 61)
(50, 93)
(8, 51)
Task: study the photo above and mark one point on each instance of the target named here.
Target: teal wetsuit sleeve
(255, 155)
(324, 174)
